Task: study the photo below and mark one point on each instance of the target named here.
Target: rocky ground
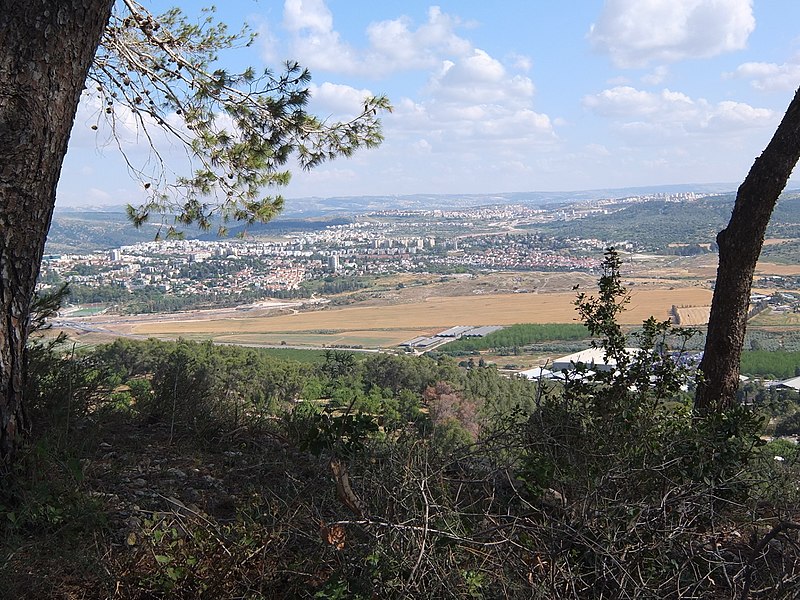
(151, 515)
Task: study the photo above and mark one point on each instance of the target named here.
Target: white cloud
(521, 62)
(770, 77)
(330, 176)
(471, 100)
(312, 15)
(643, 114)
(470, 104)
(729, 115)
(343, 101)
(597, 150)
(315, 43)
(618, 80)
(394, 44)
(422, 146)
(624, 101)
(636, 33)
(656, 76)
(480, 79)
(268, 42)
(97, 195)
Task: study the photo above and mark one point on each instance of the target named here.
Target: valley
(376, 279)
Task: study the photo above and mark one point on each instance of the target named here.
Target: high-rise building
(333, 263)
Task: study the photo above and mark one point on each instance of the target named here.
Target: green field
(357, 339)
(88, 311)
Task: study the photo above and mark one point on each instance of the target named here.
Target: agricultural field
(770, 318)
(355, 339)
(403, 306)
(693, 316)
(390, 324)
(766, 268)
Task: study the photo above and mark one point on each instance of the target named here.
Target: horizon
(712, 188)
(719, 188)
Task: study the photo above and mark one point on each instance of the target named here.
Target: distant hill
(361, 204)
(658, 222)
(653, 224)
(77, 231)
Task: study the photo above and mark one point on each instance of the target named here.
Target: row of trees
(204, 383)
(518, 336)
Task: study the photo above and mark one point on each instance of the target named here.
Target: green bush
(788, 425)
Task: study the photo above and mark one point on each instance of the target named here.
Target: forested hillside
(657, 224)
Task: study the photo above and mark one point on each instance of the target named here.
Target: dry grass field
(701, 269)
(769, 318)
(396, 322)
(764, 268)
(694, 315)
(778, 241)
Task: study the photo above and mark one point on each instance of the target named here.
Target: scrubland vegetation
(188, 470)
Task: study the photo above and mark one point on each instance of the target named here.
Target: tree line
(519, 336)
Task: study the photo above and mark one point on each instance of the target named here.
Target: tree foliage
(240, 129)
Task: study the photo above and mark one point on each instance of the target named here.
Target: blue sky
(517, 95)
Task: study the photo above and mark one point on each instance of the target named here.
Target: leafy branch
(239, 130)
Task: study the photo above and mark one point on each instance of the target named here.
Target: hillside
(188, 470)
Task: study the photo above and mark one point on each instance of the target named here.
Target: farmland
(377, 281)
(380, 326)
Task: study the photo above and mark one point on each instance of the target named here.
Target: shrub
(788, 425)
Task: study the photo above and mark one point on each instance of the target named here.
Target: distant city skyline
(510, 97)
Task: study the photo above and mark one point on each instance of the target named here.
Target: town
(340, 255)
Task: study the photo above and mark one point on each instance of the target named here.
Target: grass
(367, 339)
(519, 335)
(781, 363)
(88, 311)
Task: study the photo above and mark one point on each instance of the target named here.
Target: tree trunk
(46, 49)
(739, 248)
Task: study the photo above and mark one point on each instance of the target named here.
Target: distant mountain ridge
(319, 206)
(84, 229)
(455, 201)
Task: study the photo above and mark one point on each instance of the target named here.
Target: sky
(511, 96)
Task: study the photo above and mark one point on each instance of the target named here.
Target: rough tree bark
(46, 49)
(739, 248)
